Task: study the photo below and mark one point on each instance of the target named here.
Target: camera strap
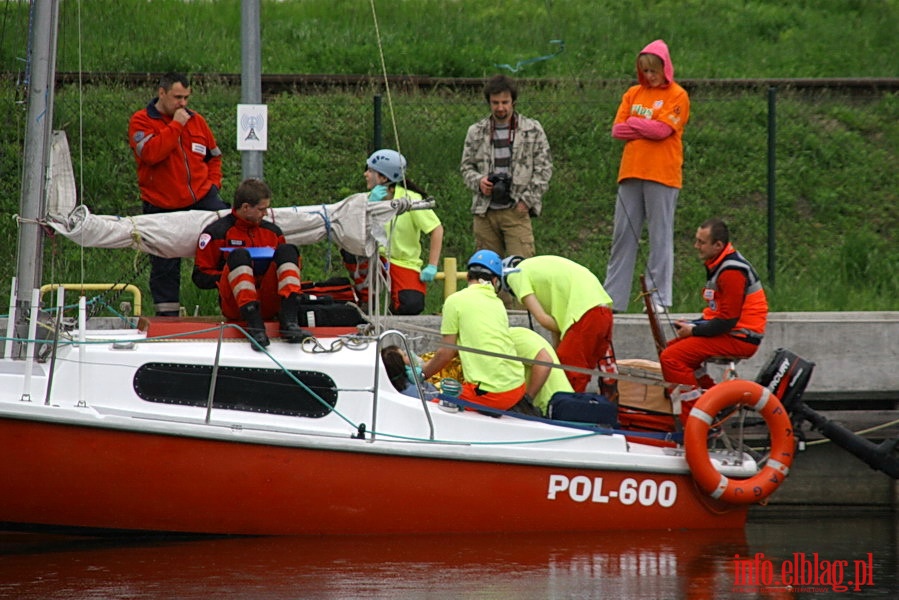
(513, 125)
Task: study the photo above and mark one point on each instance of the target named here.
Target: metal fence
(320, 135)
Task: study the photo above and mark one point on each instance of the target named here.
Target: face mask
(411, 373)
(378, 193)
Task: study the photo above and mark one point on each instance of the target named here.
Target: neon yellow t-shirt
(405, 231)
(565, 289)
(479, 320)
(527, 344)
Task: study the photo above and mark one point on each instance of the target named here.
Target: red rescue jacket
(176, 165)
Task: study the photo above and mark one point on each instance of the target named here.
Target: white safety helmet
(510, 265)
(389, 163)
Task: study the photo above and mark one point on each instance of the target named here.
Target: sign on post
(252, 127)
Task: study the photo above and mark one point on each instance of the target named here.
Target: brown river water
(782, 553)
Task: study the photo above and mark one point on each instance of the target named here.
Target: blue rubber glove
(428, 273)
(378, 193)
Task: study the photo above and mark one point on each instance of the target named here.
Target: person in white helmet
(385, 177)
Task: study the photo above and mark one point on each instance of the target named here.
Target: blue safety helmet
(488, 259)
(389, 163)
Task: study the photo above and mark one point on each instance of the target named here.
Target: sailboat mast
(39, 126)
(251, 76)
(42, 68)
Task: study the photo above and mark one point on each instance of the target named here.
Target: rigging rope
(80, 128)
(141, 260)
(375, 272)
(396, 136)
(625, 373)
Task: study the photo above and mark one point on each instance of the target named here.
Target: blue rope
(326, 219)
(524, 63)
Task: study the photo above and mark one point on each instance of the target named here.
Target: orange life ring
(777, 467)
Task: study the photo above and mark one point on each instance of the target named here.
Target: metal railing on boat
(126, 287)
(408, 350)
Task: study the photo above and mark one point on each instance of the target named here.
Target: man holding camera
(506, 163)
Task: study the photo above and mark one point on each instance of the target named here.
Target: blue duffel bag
(583, 407)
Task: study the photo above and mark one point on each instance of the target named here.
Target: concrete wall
(856, 354)
(828, 475)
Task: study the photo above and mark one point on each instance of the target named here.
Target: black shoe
(526, 406)
(292, 333)
(260, 337)
(255, 325)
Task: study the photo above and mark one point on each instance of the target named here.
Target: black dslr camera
(502, 185)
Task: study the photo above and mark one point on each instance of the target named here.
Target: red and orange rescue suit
(732, 324)
(233, 272)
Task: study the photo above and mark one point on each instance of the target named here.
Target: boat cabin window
(238, 388)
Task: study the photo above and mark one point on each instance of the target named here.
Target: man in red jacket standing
(179, 167)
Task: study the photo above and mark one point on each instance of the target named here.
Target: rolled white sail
(354, 224)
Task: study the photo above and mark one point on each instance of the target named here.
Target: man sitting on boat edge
(248, 290)
(732, 324)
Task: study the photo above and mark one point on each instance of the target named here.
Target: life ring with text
(776, 468)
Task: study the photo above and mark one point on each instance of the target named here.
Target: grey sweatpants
(638, 201)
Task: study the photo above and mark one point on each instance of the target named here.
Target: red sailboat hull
(108, 479)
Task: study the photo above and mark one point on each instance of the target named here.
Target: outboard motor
(786, 375)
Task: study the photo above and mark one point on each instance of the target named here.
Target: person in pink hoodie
(650, 120)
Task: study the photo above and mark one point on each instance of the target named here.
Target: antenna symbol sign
(252, 127)
(250, 123)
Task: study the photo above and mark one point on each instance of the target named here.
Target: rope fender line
(624, 373)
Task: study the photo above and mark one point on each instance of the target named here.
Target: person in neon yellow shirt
(385, 177)
(542, 381)
(568, 300)
(475, 317)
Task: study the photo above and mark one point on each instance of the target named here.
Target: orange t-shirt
(655, 160)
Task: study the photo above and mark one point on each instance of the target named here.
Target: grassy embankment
(837, 220)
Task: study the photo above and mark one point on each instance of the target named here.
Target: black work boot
(526, 406)
(249, 312)
(291, 332)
